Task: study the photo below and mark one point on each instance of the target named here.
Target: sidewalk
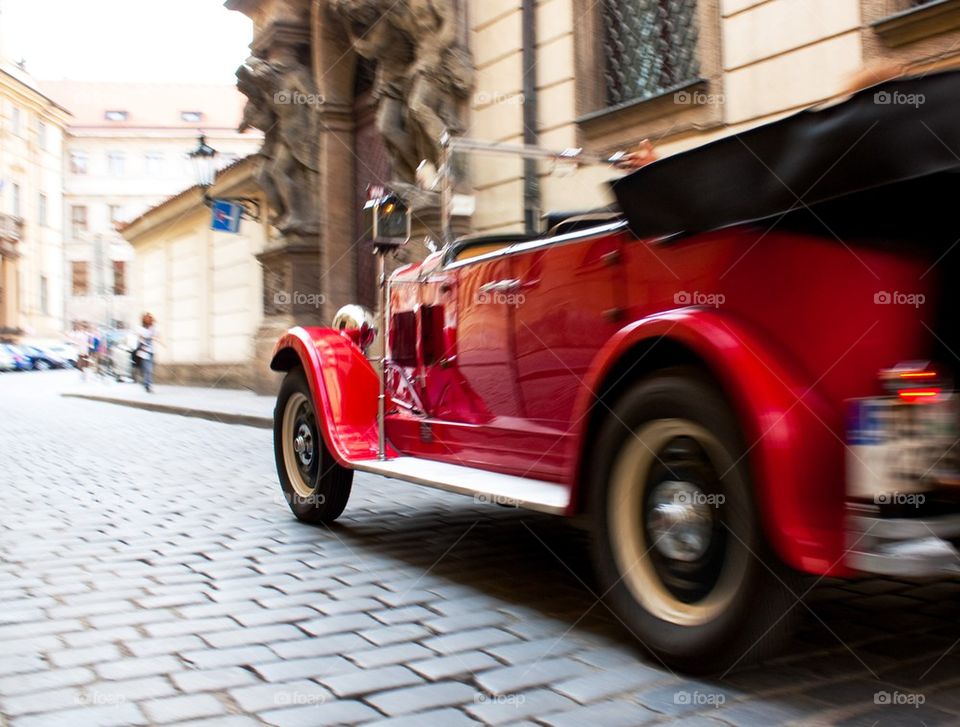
(230, 406)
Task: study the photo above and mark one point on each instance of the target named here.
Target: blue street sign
(226, 216)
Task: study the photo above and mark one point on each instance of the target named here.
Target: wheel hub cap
(303, 445)
(680, 520)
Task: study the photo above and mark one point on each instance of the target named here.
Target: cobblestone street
(152, 573)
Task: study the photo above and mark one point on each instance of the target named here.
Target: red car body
(527, 372)
(773, 347)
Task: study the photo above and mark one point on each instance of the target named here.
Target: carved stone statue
(376, 39)
(281, 102)
(442, 75)
(423, 73)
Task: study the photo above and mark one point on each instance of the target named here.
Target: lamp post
(204, 159)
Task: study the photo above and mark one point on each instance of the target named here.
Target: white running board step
(485, 486)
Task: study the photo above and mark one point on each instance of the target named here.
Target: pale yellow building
(31, 207)
(679, 72)
(203, 287)
(125, 151)
(601, 76)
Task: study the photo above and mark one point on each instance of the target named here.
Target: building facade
(678, 72)
(126, 150)
(349, 76)
(31, 193)
(203, 287)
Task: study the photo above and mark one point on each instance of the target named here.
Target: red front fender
(344, 387)
(793, 435)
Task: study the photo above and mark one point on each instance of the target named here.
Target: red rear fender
(792, 435)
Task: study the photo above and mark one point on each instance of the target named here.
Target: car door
(570, 302)
(475, 410)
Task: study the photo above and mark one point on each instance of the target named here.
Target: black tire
(314, 485)
(698, 586)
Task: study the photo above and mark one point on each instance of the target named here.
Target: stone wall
(213, 375)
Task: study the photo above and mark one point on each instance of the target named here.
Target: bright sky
(125, 40)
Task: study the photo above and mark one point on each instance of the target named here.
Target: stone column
(285, 103)
(339, 244)
(292, 296)
(311, 272)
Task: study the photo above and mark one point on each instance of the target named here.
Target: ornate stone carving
(424, 73)
(282, 102)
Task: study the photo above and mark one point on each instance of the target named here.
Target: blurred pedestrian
(100, 352)
(80, 338)
(135, 368)
(92, 351)
(147, 338)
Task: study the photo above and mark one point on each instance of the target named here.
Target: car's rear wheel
(314, 485)
(679, 548)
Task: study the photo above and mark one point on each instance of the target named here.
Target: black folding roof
(899, 131)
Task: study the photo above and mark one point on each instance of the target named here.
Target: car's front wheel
(678, 544)
(314, 485)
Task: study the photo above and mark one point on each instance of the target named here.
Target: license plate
(897, 446)
(867, 421)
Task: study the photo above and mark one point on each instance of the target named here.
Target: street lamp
(204, 159)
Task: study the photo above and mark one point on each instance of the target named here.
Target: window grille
(649, 46)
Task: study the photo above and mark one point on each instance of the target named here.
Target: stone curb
(248, 420)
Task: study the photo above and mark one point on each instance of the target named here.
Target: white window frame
(116, 158)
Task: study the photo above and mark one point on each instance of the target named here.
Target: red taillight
(913, 381)
(919, 394)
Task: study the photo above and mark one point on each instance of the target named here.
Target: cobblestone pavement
(150, 574)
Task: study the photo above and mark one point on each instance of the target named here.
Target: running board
(484, 486)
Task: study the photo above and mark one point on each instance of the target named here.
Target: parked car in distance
(7, 361)
(21, 361)
(122, 347)
(40, 360)
(66, 353)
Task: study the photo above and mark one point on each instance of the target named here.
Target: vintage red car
(742, 375)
